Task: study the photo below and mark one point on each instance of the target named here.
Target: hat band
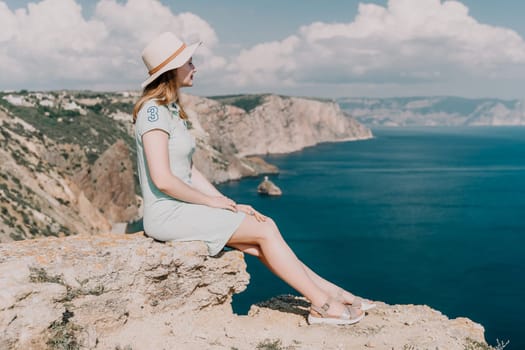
(167, 60)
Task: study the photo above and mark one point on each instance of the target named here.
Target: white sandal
(350, 315)
(361, 303)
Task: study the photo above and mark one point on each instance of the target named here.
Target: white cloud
(405, 47)
(141, 20)
(267, 63)
(46, 40)
(8, 23)
(406, 41)
(50, 44)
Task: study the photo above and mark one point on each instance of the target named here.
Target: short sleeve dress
(165, 217)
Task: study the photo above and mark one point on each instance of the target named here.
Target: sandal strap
(346, 314)
(358, 302)
(352, 312)
(349, 313)
(321, 310)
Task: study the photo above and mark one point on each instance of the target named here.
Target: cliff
(68, 158)
(37, 196)
(129, 292)
(109, 184)
(230, 137)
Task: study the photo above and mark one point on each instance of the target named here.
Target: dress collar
(173, 107)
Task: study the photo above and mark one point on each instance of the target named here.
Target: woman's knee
(256, 232)
(271, 222)
(271, 231)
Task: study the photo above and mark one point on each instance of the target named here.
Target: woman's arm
(200, 182)
(156, 150)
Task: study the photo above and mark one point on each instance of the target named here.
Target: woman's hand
(222, 202)
(248, 209)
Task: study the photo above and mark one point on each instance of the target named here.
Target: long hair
(164, 89)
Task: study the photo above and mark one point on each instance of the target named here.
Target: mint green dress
(167, 218)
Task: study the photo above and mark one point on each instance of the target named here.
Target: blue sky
(471, 48)
(273, 19)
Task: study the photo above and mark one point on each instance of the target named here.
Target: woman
(180, 204)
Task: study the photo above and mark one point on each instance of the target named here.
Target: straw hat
(164, 53)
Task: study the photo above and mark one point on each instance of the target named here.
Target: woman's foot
(336, 313)
(349, 299)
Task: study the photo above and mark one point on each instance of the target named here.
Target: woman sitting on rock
(180, 204)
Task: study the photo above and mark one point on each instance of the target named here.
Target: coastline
(399, 203)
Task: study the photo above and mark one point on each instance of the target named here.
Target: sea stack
(267, 187)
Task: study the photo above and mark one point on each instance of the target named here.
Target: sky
(345, 48)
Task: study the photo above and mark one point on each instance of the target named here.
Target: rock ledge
(129, 292)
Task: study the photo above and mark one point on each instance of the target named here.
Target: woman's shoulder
(152, 109)
(153, 115)
(152, 104)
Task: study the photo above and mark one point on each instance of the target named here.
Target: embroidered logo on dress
(153, 113)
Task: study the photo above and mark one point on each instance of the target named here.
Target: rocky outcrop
(230, 140)
(267, 187)
(109, 184)
(79, 289)
(37, 198)
(67, 167)
(229, 135)
(128, 291)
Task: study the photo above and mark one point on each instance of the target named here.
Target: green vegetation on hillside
(246, 102)
(250, 102)
(89, 126)
(94, 132)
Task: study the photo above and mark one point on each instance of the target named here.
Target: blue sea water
(430, 216)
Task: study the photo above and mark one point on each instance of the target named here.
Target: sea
(431, 216)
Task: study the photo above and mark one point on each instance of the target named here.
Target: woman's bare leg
(330, 288)
(281, 260)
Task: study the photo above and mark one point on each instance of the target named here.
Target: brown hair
(164, 89)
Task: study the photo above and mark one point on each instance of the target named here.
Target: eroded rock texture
(77, 288)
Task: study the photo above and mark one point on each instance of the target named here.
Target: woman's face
(185, 74)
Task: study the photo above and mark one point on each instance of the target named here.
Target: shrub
(246, 102)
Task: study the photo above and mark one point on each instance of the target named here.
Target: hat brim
(177, 62)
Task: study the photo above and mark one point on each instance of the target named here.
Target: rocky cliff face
(230, 138)
(53, 176)
(277, 125)
(109, 184)
(68, 157)
(37, 198)
(129, 292)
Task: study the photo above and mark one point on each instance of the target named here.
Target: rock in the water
(267, 187)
